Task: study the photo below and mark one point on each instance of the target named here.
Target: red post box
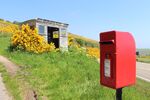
(117, 59)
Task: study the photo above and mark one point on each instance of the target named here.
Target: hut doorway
(53, 35)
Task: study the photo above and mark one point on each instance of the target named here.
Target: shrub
(70, 40)
(80, 41)
(76, 44)
(29, 40)
(93, 52)
(84, 43)
(6, 27)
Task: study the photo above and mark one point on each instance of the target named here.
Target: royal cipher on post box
(117, 59)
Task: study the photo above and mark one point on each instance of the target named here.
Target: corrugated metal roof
(50, 21)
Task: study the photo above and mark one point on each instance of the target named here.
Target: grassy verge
(68, 76)
(145, 59)
(58, 76)
(61, 75)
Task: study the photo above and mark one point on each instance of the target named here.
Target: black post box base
(119, 94)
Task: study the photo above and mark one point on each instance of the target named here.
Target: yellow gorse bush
(90, 51)
(29, 40)
(6, 27)
(94, 52)
(70, 40)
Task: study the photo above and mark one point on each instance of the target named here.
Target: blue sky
(87, 17)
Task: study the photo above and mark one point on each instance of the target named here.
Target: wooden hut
(52, 31)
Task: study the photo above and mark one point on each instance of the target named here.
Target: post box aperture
(117, 59)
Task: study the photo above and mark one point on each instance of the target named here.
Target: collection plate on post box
(107, 67)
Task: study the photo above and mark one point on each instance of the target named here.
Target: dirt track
(3, 92)
(11, 69)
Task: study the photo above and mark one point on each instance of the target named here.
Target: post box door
(107, 62)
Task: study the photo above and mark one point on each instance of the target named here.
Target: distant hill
(5, 23)
(83, 41)
(7, 27)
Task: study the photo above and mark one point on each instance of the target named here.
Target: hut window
(41, 29)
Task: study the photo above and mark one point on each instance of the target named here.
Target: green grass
(11, 83)
(4, 43)
(68, 76)
(58, 76)
(145, 59)
(61, 75)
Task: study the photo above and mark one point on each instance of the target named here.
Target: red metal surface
(120, 46)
